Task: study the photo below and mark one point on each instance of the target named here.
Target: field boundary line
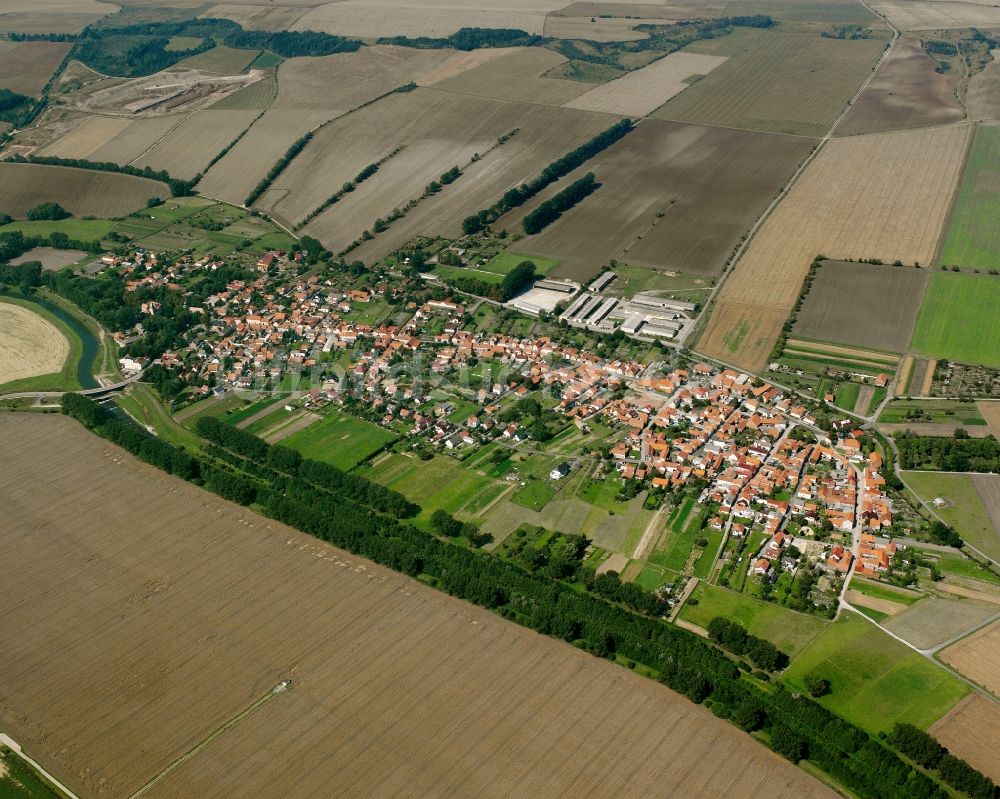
(741, 250)
(194, 750)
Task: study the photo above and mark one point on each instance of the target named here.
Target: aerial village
(783, 492)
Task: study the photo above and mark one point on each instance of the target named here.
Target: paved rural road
(10, 743)
(741, 250)
(87, 392)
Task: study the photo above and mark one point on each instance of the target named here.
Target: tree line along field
(775, 80)
(906, 92)
(862, 305)
(436, 131)
(944, 329)
(214, 606)
(882, 195)
(82, 192)
(972, 238)
(672, 197)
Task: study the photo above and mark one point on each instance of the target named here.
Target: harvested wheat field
(338, 83)
(133, 629)
(129, 143)
(905, 93)
(188, 148)
(437, 130)
(51, 16)
(918, 15)
(983, 95)
(641, 92)
(863, 305)
(87, 135)
(672, 197)
(781, 81)
(519, 74)
(82, 192)
(30, 345)
(26, 67)
(884, 196)
(970, 731)
(257, 17)
(370, 20)
(977, 656)
(545, 134)
(990, 411)
(232, 178)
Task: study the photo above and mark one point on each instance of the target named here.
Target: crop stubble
(641, 92)
(30, 345)
(881, 196)
(971, 731)
(82, 192)
(173, 610)
(977, 656)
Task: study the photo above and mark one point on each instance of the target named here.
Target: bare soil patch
(883, 605)
(970, 731)
(673, 197)
(905, 93)
(82, 192)
(27, 66)
(880, 196)
(863, 305)
(140, 625)
(977, 657)
(641, 92)
(30, 345)
(932, 429)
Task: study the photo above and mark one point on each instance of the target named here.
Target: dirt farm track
(141, 614)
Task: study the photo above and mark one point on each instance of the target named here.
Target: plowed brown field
(27, 66)
(905, 93)
(879, 196)
(141, 613)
